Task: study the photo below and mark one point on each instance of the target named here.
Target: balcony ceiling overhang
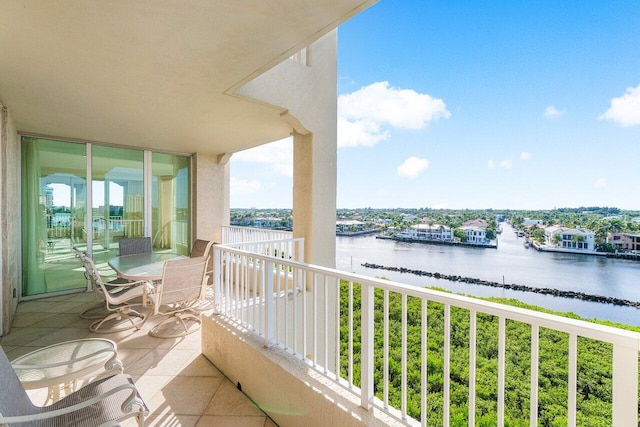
(153, 74)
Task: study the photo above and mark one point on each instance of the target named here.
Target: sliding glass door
(59, 210)
(171, 209)
(54, 194)
(117, 197)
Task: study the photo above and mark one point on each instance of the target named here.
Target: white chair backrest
(182, 281)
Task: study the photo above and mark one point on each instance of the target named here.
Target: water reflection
(511, 262)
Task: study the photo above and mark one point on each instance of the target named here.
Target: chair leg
(98, 311)
(126, 314)
(177, 318)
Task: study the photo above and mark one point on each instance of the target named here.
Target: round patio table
(61, 366)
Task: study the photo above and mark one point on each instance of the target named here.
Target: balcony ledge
(287, 389)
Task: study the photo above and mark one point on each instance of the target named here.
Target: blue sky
(518, 105)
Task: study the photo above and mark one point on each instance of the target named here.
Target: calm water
(512, 262)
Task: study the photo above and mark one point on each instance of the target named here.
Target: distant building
(435, 232)
(529, 222)
(575, 239)
(476, 234)
(270, 222)
(625, 241)
(352, 226)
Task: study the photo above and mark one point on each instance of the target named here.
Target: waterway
(511, 262)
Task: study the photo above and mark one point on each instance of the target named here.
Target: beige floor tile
(231, 421)
(23, 336)
(150, 385)
(270, 423)
(188, 342)
(44, 306)
(185, 395)
(60, 335)
(16, 352)
(134, 339)
(170, 419)
(200, 367)
(70, 320)
(23, 320)
(129, 356)
(228, 400)
(162, 362)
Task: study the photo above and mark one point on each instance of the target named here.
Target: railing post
(217, 279)
(268, 293)
(625, 386)
(366, 345)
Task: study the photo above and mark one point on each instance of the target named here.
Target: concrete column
(10, 260)
(314, 199)
(210, 189)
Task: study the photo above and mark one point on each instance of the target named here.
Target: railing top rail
(579, 327)
(261, 242)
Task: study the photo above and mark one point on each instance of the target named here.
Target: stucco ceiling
(154, 74)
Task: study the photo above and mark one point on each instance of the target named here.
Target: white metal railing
(328, 319)
(235, 234)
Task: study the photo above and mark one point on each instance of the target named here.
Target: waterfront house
(431, 232)
(352, 226)
(137, 107)
(476, 231)
(625, 241)
(573, 239)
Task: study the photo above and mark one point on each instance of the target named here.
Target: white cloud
(362, 114)
(412, 167)
(278, 153)
(525, 155)
(552, 112)
(241, 187)
(360, 132)
(506, 164)
(625, 110)
(601, 183)
(491, 164)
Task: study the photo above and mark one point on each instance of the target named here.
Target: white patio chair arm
(131, 400)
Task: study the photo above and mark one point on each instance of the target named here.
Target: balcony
(343, 347)
(179, 385)
(317, 346)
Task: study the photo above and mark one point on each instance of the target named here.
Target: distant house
(435, 232)
(625, 241)
(270, 222)
(349, 226)
(529, 222)
(476, 233)
(575, 239)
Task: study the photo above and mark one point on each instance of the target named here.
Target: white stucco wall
(309, 94)
(210, 191)
(10, 277)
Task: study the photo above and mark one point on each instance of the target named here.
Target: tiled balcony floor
(180, 386)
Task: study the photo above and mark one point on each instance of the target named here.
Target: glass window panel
(117, 198)
(171, 213)
(54, 195)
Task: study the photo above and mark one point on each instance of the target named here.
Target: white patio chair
(203, 248)
(121, 304)
(134, 245)
(104, 402)
(183, 285)
(98, 311)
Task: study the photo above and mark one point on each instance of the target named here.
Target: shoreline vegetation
(512, 286)
(594, 363)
